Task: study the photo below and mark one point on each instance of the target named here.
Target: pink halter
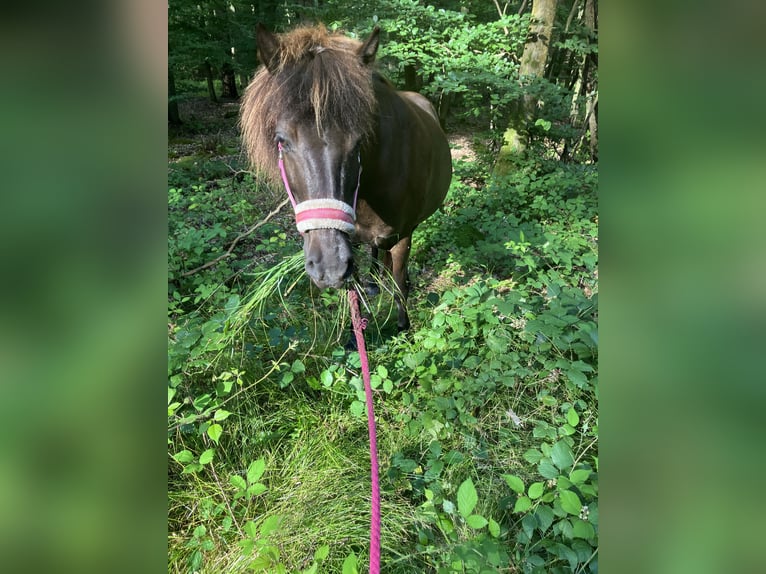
(321, 213)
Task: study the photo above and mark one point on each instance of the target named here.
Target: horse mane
(318, 77)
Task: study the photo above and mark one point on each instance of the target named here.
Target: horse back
(408, 173)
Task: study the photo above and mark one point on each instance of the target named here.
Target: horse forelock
(319, 79)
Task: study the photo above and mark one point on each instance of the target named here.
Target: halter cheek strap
(321, 213)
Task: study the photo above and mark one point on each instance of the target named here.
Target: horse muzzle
(329, 258)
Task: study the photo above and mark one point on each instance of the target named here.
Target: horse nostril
(314, 270)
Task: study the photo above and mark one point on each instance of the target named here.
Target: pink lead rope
(359, 325)
(335, 214)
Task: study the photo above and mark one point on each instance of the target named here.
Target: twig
(586, 126)
(239, 237)
(236, 172)
(571, 16)
(501, 13)
(226, 500)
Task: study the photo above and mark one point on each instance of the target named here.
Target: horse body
(319, 99)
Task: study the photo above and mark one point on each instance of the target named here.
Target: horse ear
(370, 47)
(268, 47)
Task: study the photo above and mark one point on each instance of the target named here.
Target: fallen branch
(237, 239)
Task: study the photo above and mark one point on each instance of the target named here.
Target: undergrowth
(487, 409)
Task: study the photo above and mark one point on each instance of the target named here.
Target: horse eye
(280, 140)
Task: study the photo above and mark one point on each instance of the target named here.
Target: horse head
(316, 113)
(319, 132)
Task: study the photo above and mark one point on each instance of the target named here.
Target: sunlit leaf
(466, 498)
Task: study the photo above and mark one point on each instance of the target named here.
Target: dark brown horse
(361, 161)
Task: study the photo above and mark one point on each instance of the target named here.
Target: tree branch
(571, 15)
(237, 239)
(501, 13)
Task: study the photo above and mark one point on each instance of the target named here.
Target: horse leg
(373, 285)
(398, 257)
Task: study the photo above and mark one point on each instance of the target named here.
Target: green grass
(496, 382)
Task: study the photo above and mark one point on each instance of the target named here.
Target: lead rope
(359, 324)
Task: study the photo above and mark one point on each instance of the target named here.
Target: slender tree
(532, 66)
(173, 116)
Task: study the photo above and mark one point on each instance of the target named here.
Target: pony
(361, 161)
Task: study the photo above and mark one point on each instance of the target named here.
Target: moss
(510, 154)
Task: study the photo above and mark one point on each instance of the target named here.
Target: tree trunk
(445, 105)
(532, 65)
(229, 82)
(536, 51)
(593, 128)
(411, 83)
(590, 19)
(173, 116)
(208, 69)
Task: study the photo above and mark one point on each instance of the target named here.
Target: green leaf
(476, 521)
(466, 498)
(195, 562)
(572, 417)
(247, 546)
(357, 408)
(349, 565)
(579, 476)
(214, 432)
(528, 524)
(522, 504)
(287, 378)
(184, 456)
(544, 514)
(255, 490)
(535, 490)
(578, 378)
(298, 366)
(326, 378)
(191, 468)
(570, 502)
(532, 455)
(237, 482)
(269, 525)
(255, 470)
(221, 414)
(251, 529)
(561, 455)
(322, 552)
(206, 456)
(515, 483)
(582, 529)
(494, 528)
(547, 470)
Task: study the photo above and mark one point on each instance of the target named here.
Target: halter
(326, 213)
